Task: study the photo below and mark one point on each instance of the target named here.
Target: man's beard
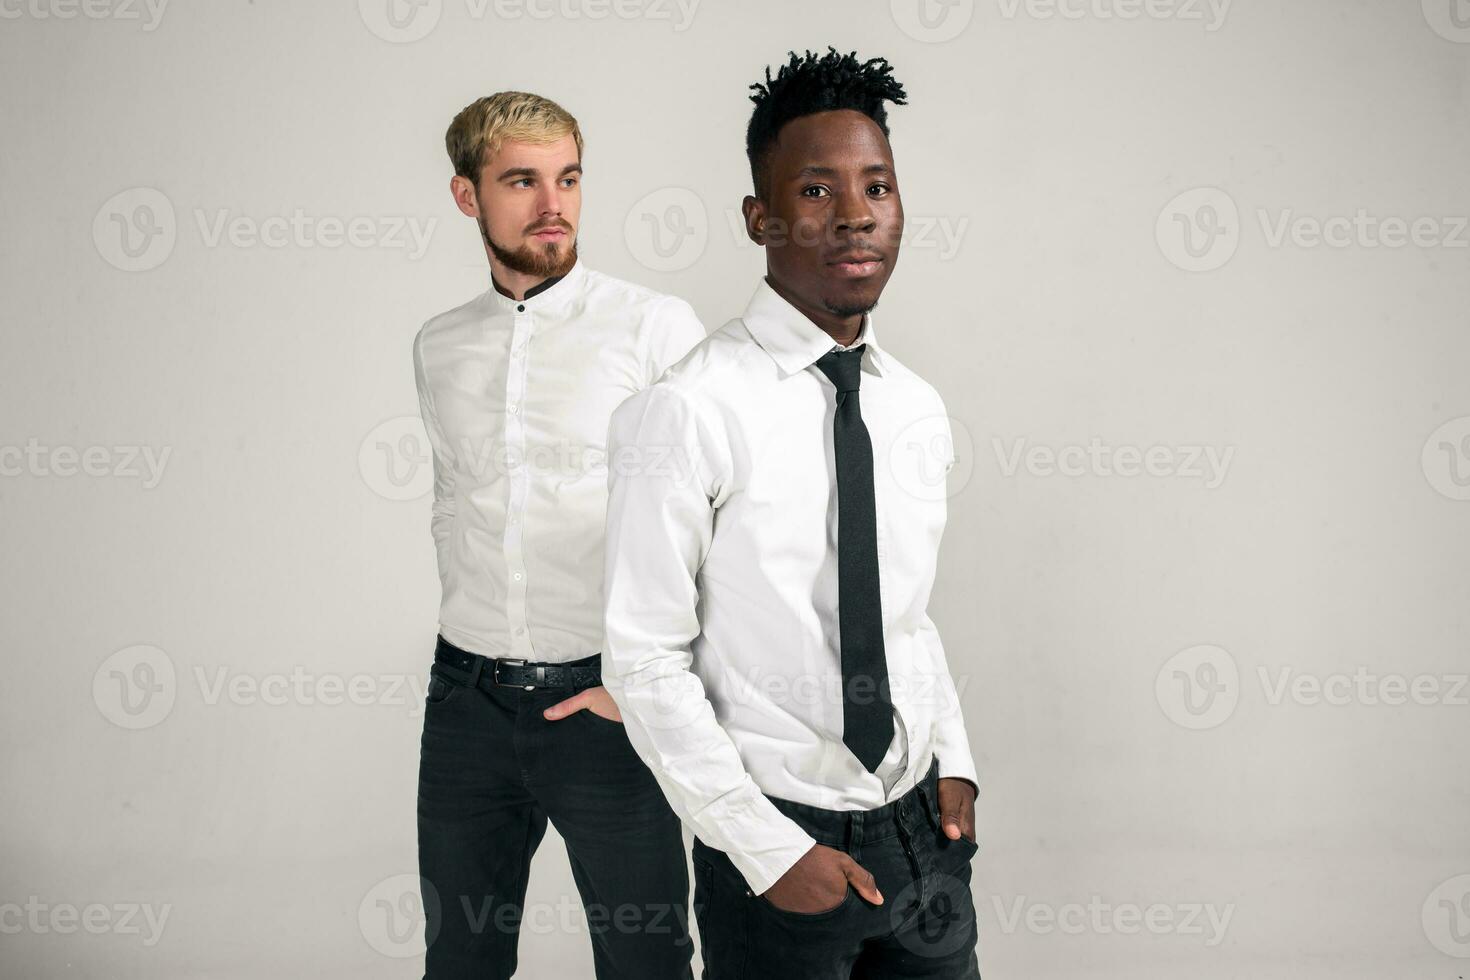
(543, 261)
(839, 309)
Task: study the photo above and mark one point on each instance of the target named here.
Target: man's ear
(754, 210)
(464, 196)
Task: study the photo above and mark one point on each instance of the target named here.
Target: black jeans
(924, 928)
(492, 770)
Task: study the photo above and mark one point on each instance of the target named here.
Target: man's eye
(522, 182)
(816, 190)
(569, 182)
(879, 190)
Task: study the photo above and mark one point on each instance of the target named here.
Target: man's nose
(548, 202)
(856, 215)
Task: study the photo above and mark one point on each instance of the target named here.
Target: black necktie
(867, 704)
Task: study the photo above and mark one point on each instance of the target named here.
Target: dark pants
(924, 928)
(492, 771)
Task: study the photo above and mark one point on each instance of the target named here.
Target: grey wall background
(1191, 277)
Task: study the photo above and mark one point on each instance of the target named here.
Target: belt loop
(475, 672)
(855, 831)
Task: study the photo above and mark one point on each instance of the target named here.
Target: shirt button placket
(515, 524)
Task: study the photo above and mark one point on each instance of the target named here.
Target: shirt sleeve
(951, 742)
(662, 473)
(675, 331)
(441, 520)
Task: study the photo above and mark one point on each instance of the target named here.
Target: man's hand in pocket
(594, 699)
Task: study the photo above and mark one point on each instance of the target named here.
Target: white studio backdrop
(1190, 275)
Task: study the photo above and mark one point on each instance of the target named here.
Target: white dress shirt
(722, 627)
(516, 396)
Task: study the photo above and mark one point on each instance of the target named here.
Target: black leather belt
(490, 672)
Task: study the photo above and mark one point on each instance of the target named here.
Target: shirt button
(521, 631)
(521, 308)
(512, 409)
(517, 576)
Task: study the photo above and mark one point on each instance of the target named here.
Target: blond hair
(484, 125)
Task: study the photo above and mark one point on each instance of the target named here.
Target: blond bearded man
(516, 387)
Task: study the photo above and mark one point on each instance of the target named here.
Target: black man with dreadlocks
(772, 537)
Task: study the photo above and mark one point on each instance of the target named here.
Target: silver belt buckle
(540, 674)
(495, 674)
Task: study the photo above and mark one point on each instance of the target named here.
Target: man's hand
(957, 808)
(818, 882)
(594, 699)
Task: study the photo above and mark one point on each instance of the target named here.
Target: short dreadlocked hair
(809, 84)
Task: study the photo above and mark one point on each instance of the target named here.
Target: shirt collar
(540, 287)
(549, 294)
(795, 342)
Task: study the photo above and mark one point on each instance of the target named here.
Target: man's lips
(856, 265)
(549, 234)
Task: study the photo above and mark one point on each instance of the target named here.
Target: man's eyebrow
(816, 170)
(571, 168)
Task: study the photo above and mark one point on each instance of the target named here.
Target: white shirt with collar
(516, 396)
(721, 588)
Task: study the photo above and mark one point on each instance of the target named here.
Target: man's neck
(525, 293)
(513, 285)
(519, 285)
(842, 330)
